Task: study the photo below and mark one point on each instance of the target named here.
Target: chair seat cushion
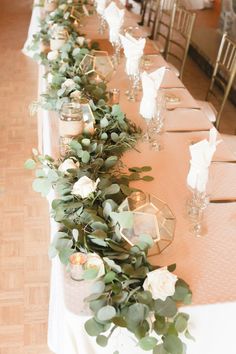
(174, 69)
(208, 109)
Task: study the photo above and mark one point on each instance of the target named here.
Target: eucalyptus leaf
(85, 156)
(165, 308)
(106, 313)
(102, 340)
(148, 343)
(90, 274)
(93, 328)
(125, 219)
(30, 164)
(112, 189)
(173, 344)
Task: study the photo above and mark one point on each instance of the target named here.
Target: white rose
(161, 283)
(80, 40)
(50, 78)
(69, 1)
(62, 7)
(95, 262)
(76, 95)
(84, 186)
(53, 55)
(69, 83)
(68, 164)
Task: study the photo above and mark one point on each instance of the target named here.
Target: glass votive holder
(114, 96)
(77, 261)
(59, 36)
(136, 200)
(71, 124)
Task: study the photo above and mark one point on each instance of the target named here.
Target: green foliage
(93, 224)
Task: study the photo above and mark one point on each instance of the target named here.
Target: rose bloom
(68, 164)
(161, 283)
(49, 78)
(52, 55)
(84, 187)
(69, 83)
(76, 95)
(95, 262)
(80, 40)
(62, 7)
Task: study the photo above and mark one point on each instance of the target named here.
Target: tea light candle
(77, 260)
(97, 79)
(114, 95)
(136, 200)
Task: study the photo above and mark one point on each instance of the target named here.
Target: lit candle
(114, 96)
(77, 260)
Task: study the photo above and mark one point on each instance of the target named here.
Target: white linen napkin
(100, 6)
(150, 83)
(115, 18)
(133, 49)
(201, 157)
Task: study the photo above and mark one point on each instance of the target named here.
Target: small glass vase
(71, 124)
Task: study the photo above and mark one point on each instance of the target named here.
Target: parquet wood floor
(24, 232)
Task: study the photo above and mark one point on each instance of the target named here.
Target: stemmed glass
(196, 205)
(156, 126)
(102, 24)
(116, 56)
(134, 80)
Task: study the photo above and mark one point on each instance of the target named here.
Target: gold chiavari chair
(179, 38)
(148, 11)
(164, 22)
(221, 80)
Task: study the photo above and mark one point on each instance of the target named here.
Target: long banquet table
(206, 263)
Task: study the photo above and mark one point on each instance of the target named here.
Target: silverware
(184, 108)
(188, 131)
(222, 201)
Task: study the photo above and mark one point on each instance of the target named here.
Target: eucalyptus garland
(90, 183)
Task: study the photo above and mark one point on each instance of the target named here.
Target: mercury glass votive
(77, 261)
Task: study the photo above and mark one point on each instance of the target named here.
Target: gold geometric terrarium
(98, 65)
(152, 217)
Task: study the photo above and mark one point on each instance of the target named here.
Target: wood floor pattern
(24, 231)
(24, 234)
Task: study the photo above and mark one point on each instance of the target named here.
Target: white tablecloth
(213, 325)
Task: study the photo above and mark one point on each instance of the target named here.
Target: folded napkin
(100, 6)
(115, 18)
(201, 157)
(150, 83)
(133, 49)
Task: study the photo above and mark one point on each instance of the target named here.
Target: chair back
(223, 74)
(164, 22)
(148, 11)
(180, 36)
